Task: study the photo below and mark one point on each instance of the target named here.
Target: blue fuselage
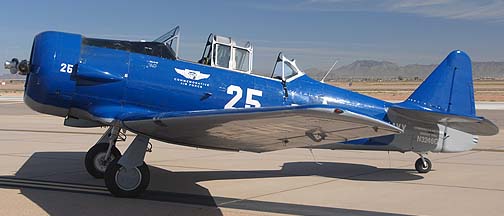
(72, 79)
(122, 82)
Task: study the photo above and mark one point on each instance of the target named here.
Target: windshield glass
(286, 67)
(171, 39)
(241, 59)
(288, 71)
(223, 55)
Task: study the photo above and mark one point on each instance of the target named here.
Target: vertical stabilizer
(449, 88)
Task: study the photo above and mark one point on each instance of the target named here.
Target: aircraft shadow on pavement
(53, 168)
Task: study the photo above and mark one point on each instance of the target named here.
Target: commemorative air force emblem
(192, 78)
(192, 74)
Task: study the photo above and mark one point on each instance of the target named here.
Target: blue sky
(315, 32)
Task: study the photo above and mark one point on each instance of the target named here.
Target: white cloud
(492, 10)
(488, 10)
(420, 3)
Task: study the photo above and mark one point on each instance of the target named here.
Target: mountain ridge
(372, 69)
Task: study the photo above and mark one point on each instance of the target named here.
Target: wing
(259, 129)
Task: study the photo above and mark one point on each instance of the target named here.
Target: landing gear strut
(125, 175)
(423, 164)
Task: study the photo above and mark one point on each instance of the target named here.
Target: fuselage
(72, 77)
(151, 84)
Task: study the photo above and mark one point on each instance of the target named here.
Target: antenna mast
(328, 72)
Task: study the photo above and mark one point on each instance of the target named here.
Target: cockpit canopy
(223, 52)
(171, 39)
(285, 69)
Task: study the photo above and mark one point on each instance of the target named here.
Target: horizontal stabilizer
(473, 125)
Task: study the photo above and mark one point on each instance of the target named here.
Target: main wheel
(96, 163)
(421, 167)
(124, 182)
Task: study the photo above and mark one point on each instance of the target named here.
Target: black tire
(131, 188)
(419, 165)
(95, 156)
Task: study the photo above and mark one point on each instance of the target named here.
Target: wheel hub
(128, 179)
(101, 163)
(424, 165)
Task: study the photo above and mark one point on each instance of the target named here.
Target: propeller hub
(14, 66)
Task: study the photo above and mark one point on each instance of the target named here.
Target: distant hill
(371, 69)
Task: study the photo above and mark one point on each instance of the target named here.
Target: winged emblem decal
(192, 74)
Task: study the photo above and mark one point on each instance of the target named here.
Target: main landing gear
(423, 164)
(126, 175)
(102, 153)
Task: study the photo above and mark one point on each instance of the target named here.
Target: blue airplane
(218, 103)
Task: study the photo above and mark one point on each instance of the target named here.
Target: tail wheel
(96, 161)
(422, 167)
(127, 182)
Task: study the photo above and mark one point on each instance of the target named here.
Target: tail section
(449, 88)
(440, 115)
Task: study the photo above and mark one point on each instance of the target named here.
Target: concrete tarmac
(42, 173)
